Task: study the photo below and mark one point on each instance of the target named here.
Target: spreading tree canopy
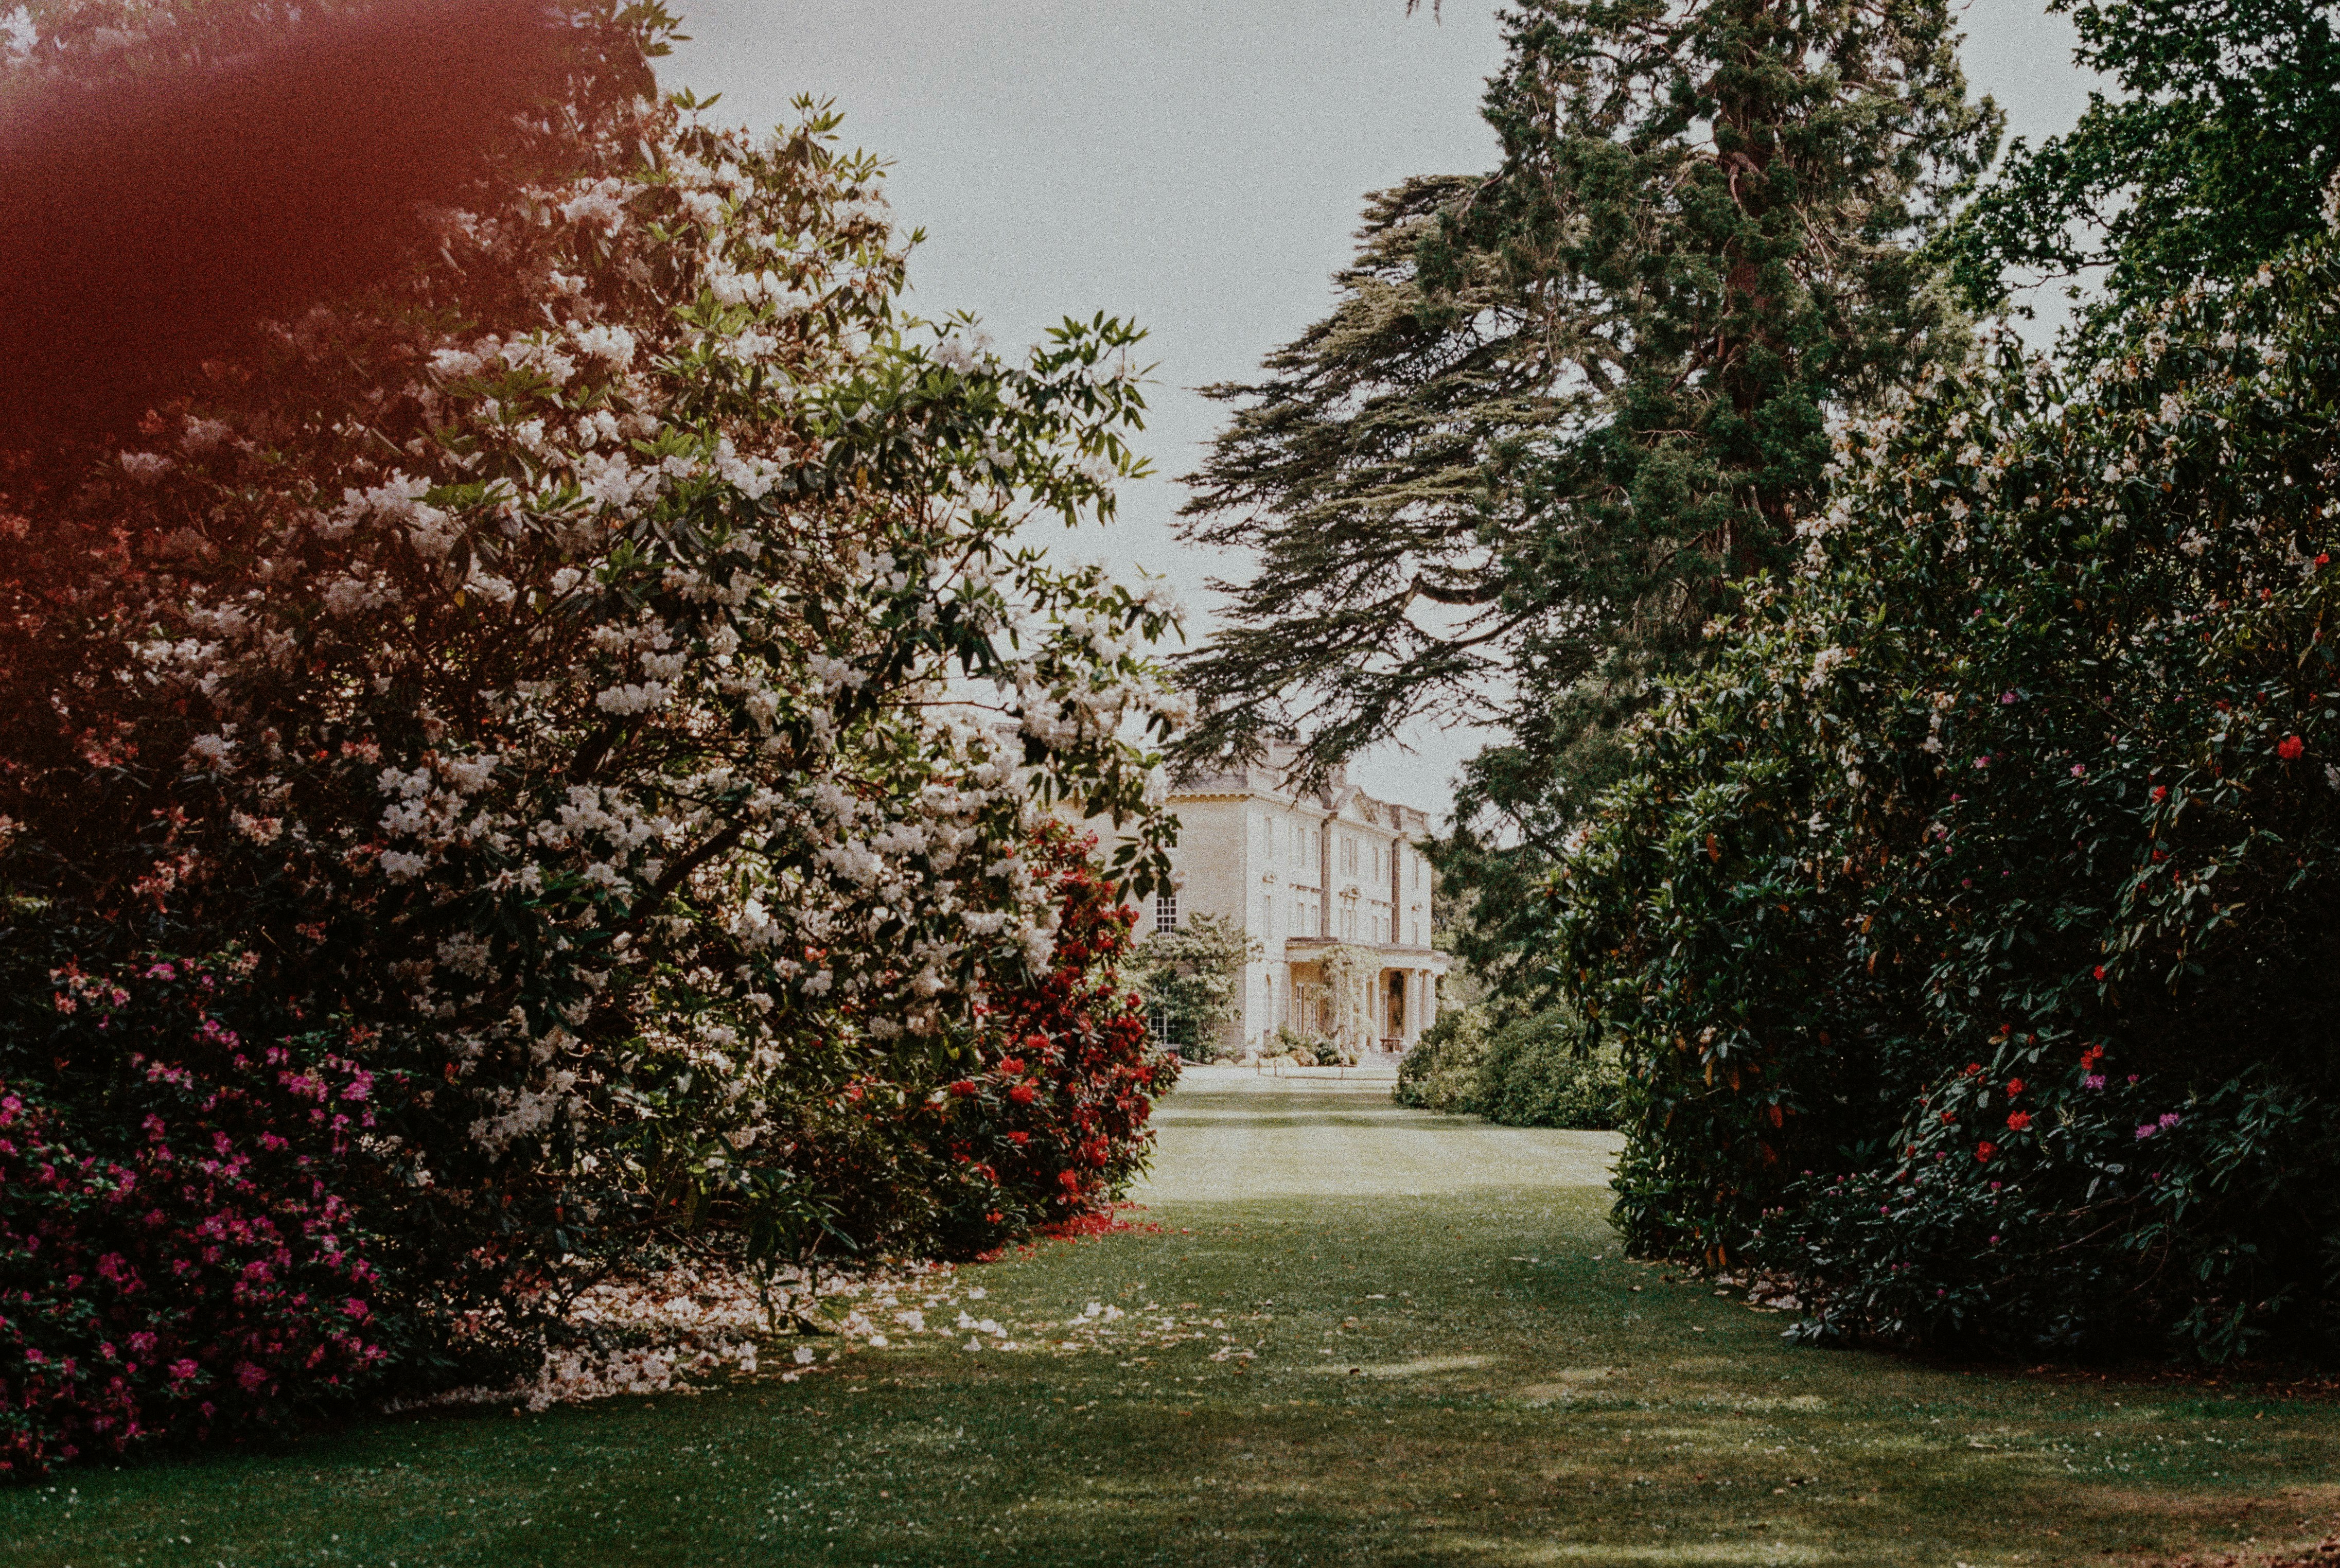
(1560, 406)
(2211, 160)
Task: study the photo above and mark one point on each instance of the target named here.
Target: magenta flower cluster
(201, 1279)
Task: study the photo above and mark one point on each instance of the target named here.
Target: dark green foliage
(1560, 407)
(2210, 158)
(1968, 929)
(1442, 1072)
(1531, 1072)
(1537, 1074)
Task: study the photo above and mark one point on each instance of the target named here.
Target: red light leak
(141, 231)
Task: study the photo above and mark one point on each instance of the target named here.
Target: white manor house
(1303, 873)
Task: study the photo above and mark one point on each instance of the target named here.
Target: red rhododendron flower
(963, 1088)
(2018, 1121)
(2100, 971)
(1019, 1139)
(2015, 1085)
(1023, 1094)
(2290, 748)
(1011, 1066)
(1984, 1150)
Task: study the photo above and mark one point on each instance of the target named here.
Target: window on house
(1165, 911)
(1417, 930)
(1377, 862)
(1348, 857)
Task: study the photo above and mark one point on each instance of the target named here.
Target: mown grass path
(1448, 1364)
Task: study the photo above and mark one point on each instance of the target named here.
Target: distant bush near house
(1190, 978)
(1442, 1072)
(1307, 1049)
(1525, 1074)
(1534, 1076)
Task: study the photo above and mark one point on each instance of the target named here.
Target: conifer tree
(1558, 407)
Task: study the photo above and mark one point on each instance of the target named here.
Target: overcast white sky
(1196, 166)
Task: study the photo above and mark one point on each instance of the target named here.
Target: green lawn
(1452, 1366)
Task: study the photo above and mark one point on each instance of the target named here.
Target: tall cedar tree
(1558, 407)
(2211, 160)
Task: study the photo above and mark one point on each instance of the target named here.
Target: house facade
(1305, 873)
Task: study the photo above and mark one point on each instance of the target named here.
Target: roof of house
(1270, 776)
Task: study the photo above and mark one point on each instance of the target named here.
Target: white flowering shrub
(600, 674)
(1968, 929)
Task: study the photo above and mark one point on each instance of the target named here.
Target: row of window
(1307, 916)
(1298, 845)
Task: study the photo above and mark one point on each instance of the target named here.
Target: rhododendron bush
(1970, 929)
(1052, 1127)
(207, 1271)
(595, 682)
